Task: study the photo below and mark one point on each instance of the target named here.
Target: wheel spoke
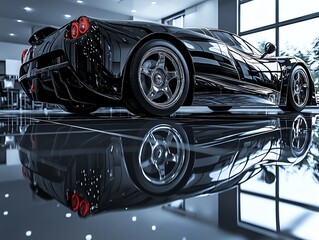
(161, 171)
(168, 92)
(161, 60)
(298, 77)
(298, 99)
(146, 164)
(305, 86)
(146, 71)
(172, 75)
(169, 138)
(152, 93)
(152, 141)
(171, 157)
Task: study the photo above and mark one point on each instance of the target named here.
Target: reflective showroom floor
(195, 175)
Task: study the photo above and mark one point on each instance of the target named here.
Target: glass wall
(291, 24)
(176, 20)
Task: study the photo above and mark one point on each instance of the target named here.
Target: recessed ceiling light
(79, 1)
(153, 3)
(12, 34)
(67, 15)
(133, 11)
(20, 21)
(28, 9)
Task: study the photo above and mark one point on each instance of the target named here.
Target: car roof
(204, 29)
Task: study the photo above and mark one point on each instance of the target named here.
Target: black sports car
(153, 69)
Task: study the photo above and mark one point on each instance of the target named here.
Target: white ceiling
(52, 13)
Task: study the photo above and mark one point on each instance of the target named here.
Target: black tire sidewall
(291, 103)
(135, 88)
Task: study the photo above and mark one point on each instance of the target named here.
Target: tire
(220, 108)
(78, 108)
(296, 138)
(298, 90)
(159, 80)
(162, 162)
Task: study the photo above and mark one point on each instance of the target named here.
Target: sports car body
(153, 69)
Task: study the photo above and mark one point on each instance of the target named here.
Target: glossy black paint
(94, 68)
(113, 169)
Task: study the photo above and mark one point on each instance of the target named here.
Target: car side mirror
(269, 49)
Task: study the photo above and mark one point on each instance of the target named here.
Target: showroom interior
(240, 172)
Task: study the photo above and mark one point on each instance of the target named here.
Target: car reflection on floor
(95, 166)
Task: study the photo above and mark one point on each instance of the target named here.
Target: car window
(235, 42)
(246, 46)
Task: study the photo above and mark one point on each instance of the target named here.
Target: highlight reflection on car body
(153, 69)
(137, 163)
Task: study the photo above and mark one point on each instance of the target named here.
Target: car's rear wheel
(159, 80)
(78, 108)
(163, 159)
(298, 90)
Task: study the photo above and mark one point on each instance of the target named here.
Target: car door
(257, 76)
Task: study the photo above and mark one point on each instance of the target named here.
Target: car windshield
(235, 42)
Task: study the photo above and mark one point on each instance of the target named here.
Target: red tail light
(74, 30)
(84, 208)
(84, 25)
(24, 171)
(25, 51)
(78, 28)
(75, 202)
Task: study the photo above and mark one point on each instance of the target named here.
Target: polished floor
(247, 174)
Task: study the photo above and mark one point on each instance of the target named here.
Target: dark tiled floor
(116, 176)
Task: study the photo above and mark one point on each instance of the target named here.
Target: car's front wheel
(159, 80)
(298, 90)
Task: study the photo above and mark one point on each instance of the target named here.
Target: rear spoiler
(38, 37)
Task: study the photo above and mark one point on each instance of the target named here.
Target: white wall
(202, 15)
(12, 66)
(145, 20)
(11, 50)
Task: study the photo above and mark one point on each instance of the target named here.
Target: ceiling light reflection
(79, 1)
(28, 9)
(134, 218)
(153, 227)
(28, 233)
(5, 213)
(6, 195)
(88, 237)
(67, 15)
(133, 11)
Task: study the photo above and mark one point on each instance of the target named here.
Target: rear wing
(38, 37)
